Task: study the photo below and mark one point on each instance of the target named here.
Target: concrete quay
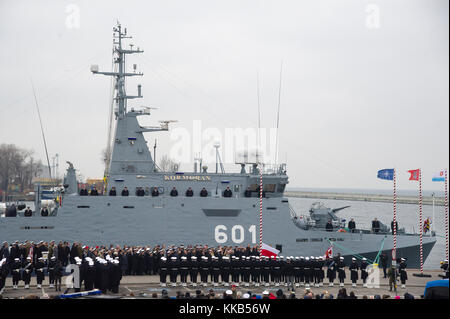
(142, 287)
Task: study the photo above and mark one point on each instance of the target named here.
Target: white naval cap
(265, 292)
(364, 258)
(246, 296)
(16, 259)
(53, 257)
(163, 258)
(229, 292)
(173, 258)
(28, 258)
(342, 258)
(78, 262)
(193, 257)
(225, 257)
(183, 257)
(91, 263)
(353, 258)
(307, 258)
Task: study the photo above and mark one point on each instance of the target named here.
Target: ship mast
(120, 76)
(130, 155)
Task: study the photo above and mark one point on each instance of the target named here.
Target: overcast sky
(364, 85)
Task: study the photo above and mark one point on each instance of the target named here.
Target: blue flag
(386, 174)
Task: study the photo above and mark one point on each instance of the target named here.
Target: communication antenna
(278, 114)
(42, 129)
(218, 159)
(258, 147)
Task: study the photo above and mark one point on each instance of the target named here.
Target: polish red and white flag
(329, 252)
(269, 251)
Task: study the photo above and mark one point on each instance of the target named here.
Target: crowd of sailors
(154, 192)
(102, 267)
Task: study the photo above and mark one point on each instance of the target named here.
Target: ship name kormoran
(186, 178)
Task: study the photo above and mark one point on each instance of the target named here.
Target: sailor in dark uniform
(444, 267)
(174, 192)
(39, 268)
(282, 274)
(402, 272)
(277, 271)
(255, 270)
(272, 262)
(155, 192)
(317, 272)
(392, 226)
(125, 192)
(51, 271)
(329, 226)
(215, 270)
(352, 225)
(44, 211)
(331, 271)
(265, 270)
(225, 269)
(163, 270)
(354, 267)
(204, 270)
(89, 274)
(116, 275)
(94, 192)
(112, 191)
(104, 275)
(184, 270)
(193, 270)
(242, 260)
(3, 274)
(247, 271)
(307, 271)
(27, 269)
(227, 192)
(288, 272)
(173, 271)
(15, 271)
(340, 265)
(375, 225)
(28, 212)
(296, 270)
(83, 191)
(234, 264)
(189, 192)
(203, 192)
(248, 192)
(364, 273)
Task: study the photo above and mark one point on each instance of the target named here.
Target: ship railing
(272, 169)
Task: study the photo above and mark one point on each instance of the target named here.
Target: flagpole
(420, 221)
(432, 222)
(446, 214)
(394, 260)
(260, 209)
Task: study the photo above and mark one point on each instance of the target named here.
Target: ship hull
(209, 221)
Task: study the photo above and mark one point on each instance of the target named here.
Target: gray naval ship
(189, 220)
